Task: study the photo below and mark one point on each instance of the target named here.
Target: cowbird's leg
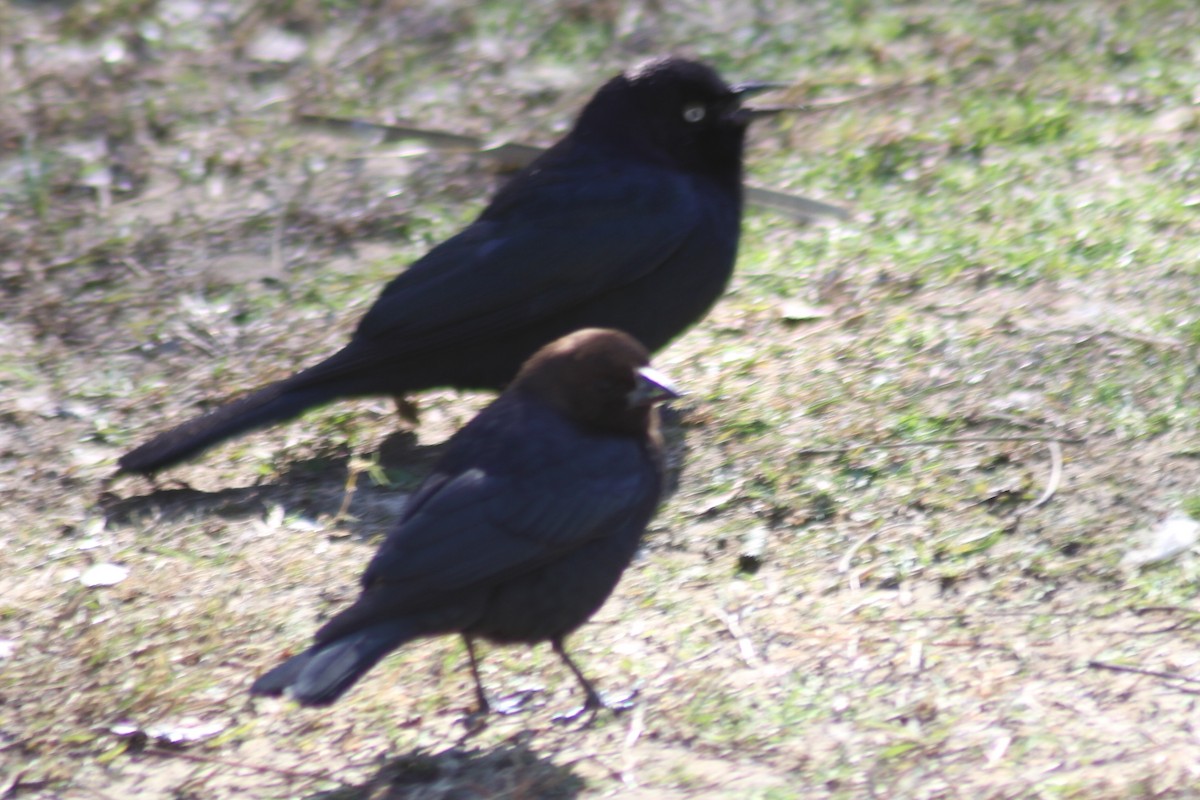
(484, 707)
(408, 411)
(593, 702)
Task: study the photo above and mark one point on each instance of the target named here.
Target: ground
(921, 451)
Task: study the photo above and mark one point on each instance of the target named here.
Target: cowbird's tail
(323, 673)
(277, 402)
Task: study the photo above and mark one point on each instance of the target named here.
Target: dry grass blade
(515, 155)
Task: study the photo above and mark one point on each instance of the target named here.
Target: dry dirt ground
(918, 448)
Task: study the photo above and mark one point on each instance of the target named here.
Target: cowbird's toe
(518, 701)
(586, 714)
(474, 723)
(620, 703)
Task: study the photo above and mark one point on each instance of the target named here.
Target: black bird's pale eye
(694, 112)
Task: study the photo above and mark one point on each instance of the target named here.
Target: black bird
(631, 221)
(523, 528)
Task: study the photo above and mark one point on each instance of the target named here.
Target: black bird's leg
(408, 411)
(476, 721)
(484, 706)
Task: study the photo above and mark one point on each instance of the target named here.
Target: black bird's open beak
(652, 387)
(754, 87)
(749, 113)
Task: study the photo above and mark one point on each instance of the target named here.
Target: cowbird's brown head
(599, 378)
(676, 111)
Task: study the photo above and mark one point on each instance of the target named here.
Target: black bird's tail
(323, 673)
(276, 402)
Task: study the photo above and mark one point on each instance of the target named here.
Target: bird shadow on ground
(322, 487)
(511, 769)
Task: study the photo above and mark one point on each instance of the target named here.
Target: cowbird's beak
(652, 386)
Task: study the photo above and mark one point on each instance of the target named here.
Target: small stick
(745, 646)
(821, 451)
(1153, 673)
(1056, 472)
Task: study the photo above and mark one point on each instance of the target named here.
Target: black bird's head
(675, 111)
(598, 378)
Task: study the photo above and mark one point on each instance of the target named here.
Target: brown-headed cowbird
(523, 528)
(631, 221)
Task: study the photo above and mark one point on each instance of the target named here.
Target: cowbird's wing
(570, 237)
(531, 495)
(484, 528)
(480, 527)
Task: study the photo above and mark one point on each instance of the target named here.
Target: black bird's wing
(568, 240)
(553, 239)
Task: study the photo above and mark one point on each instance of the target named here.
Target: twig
(637, 726)
(134, 266)
(745, 646)
(837, 102)
(347, 494)
(1163, 610)
(1190, 620)
(1085, 334)
(1153, 673)
(277, 233)
(822, 451)
(964, 616)
(844, 563)
(1056, 472)
(916, 656)
(196, 338)
(793, 205)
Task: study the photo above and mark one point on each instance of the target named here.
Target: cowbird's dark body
(631, 222)
(523, 528)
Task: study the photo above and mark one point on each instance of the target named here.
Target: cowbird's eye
(694, 112)
(609, 387)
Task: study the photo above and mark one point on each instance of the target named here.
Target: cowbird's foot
(474, 723)
(517, 702)
(586, 714)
